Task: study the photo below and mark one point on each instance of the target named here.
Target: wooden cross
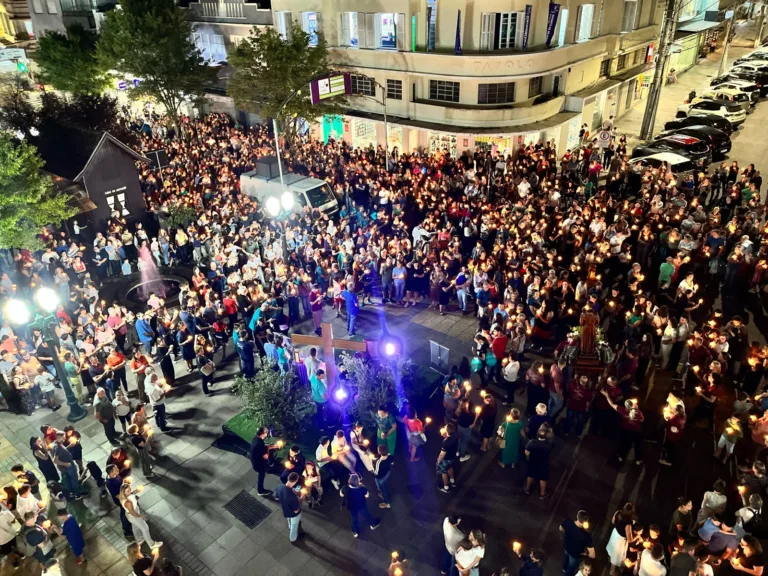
(328, 344)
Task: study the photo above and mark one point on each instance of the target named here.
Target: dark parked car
(713, 121)
(719, 142)
(688, 146)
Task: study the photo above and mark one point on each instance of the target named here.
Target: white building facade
(529, 70)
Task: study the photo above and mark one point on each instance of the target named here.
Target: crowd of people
(583, 278)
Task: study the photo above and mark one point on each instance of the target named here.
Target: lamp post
(17, 312)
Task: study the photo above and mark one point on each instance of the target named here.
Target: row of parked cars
(701, 131)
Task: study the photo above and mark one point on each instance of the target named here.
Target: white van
(264, 185)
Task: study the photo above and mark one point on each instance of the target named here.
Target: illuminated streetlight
(273, 206)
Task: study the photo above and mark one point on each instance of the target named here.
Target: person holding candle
(74, 535)
(620, 536)
(631, 429)
(751, 559)
(732, 433)
(577, 542)
(313, 483)
(289, 496)
(130, 502)
(142, 565)
(37, 538)
(466, 419)
(361, 445)
(652, 562)
(448, 453)
(469, 553)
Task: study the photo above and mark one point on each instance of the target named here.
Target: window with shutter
(629, 20)
(584, 22)
(400, 30)
(444, 91)
(283, 23)
(535, 86)
(52, 7)
(372, 37)
(431, 24)
(487, 24)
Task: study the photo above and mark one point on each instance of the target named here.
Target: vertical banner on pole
(527, 25)
(413, 33)
(554, 11)
(457, 46)
(429, 19)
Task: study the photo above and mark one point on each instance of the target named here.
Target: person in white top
(312, 363)
(8, 532)
(469, 553)
(510, 371)
(340, 449)
(130, 502)
(26, 502)
(453, 537)
(651, 562)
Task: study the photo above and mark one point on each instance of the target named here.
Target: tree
(277, 401)
(270, 69)
(94, 112)
(377, 382)
(27, 202)
(151, 40)
(16, 111)
(69, 62)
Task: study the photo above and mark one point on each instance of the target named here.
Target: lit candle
(395, 555)
(516, 547)
(478, 410)
(428, 420)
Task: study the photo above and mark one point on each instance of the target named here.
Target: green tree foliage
(16, 111)
(269, 69)
(152, 40)
(180, 215)
(94, 112)
(276, 401)
(27, 202)
(69, 62)
(375, 382)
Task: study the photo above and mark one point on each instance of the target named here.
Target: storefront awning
(698, 26)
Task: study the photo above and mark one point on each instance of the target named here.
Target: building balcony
(233, 11)
(431, 112)
(490, 65)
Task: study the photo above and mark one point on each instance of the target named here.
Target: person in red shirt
(499, 348)
(631, 430)
(116, 362)
(674, 424)
(580, 396)
(230, 309)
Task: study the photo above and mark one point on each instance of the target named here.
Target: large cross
(328, 343)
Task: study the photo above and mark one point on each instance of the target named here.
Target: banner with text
(554, 11)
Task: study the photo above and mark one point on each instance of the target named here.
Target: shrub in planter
(279, 402)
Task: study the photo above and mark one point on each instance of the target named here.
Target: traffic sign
(604, 139)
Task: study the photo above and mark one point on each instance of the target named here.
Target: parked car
(701, 120)
(752, 56)
(678, 164)
(719, 142)
(755, 65)
(731, 111)
(759, 78)
(751, 89)
(729, 94)
(682, 144)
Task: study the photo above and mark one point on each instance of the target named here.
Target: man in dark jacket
(260, 460)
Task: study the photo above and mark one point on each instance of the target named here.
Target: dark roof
(67, 151)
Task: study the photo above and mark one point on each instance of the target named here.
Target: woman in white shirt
(469, 553)
(510, 371)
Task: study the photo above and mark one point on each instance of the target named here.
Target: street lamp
(17, 312)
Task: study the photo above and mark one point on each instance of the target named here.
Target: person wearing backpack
(38, 540)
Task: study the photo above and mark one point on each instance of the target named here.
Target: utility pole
(724, 57)
(668, 26)
(759, 27)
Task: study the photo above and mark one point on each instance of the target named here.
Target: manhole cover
(247, 509)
